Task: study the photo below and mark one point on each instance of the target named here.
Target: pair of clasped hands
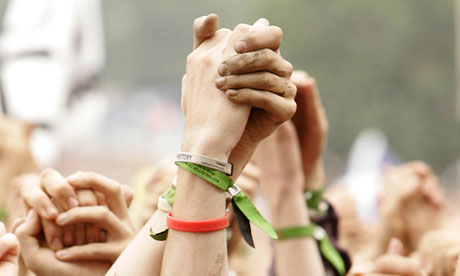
(74, 226)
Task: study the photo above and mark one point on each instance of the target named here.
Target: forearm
(196, 200)
(143, 255)
(295, 256)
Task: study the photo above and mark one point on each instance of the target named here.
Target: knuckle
(191, 58)
(290, 110)
(289, 67)
(46, 174)
(115, 189)
(207, 60)
(242, 28)
(223, 31)
(277, 32)
(267, 54)
(291, 90)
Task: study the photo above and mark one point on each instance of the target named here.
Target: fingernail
(52, 212)
(223, 68)
(220, 82)
(61, 218)
(73, 202)
(240, 46)
(262, 21)
(232, 93)
(61, 253)
(56, 244)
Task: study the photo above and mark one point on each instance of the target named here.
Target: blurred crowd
(246, 108)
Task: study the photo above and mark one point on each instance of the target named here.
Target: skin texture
(142, 255)
(43, 261)
(9, 253)
(110, 215)
(218, 141)
(43, 194)
(282, 184)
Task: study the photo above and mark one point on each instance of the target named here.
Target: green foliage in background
(386, 64)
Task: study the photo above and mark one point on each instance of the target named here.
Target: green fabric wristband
(245, 211)
(326, 248)
(169, 196)
(218, 179)
(313, 198)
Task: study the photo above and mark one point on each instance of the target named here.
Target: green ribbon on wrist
(326, 248)
(313, 198)
(243, 208)
(169, 196)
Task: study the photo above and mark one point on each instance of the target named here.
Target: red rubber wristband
(197, 226)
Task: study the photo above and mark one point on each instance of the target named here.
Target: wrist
(207, 145)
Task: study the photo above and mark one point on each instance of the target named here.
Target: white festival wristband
(204, 161)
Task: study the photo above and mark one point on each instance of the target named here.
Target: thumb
(204, 27)
(27, 232)
(395, 247)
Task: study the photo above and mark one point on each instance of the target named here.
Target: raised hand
(9, 253)
(312, 127)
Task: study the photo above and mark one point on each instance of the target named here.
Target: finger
(27, 232)
(68, 232)
(86, 232)
(238, 32)
(262, 22)
(2, 228)
(218, 37)
(52, 233)
(98, 215)
(392, 264)
(57, 187)
(259, 81)
(68, 235)
(91, 252)
(128, 194)
(80, 234)
(260, 60)
(278, 108)
(203, 28)
(16, 223)
(108, 187)
(260, 37)
(9, 244)
(100, 199)
(395, 247)
(38, 200)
